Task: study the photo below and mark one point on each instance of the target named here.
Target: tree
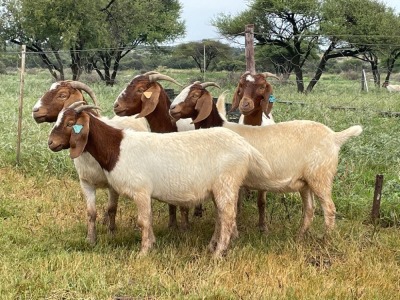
(205, 54)
(355, 28)
(113, 26)
(291, 25)
(131, 23)
(295, 30)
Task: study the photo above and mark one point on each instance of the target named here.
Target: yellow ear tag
(147, 94)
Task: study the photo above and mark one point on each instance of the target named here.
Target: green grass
(44, 255)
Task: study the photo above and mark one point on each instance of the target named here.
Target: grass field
(44, 255)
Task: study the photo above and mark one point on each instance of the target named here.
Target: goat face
(129, 102)
(252, 93)
(193, 102)
(60, 95)
(141, 97)
(69, 132)
(184, 104)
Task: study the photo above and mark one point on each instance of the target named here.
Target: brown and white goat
(252, 97)
(302, 154)
(91, 176)
(145, 96)
(223, 162)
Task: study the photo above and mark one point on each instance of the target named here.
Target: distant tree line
(307, 37)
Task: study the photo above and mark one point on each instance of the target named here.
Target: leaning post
(20, 103)
(249, 48)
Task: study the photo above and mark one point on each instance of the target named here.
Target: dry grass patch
(44, 255)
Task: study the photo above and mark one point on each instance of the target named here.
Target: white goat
(195, 165)
(303, 154)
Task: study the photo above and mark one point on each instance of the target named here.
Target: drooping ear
(79, 136)
(266, 105)
(150, 100)
(235, 100)
(204, 107)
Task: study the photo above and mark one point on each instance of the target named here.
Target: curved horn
(268, 74)
(86, 107)
(81, 86)
(210, 83)
(76, 104)
(158, 76)
(150, 73)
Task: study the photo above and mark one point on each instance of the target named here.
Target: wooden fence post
(376, 204)
(20, 103)
(249, 50)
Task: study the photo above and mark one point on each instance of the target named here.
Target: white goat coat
(89, 170)
(193, 164)
(297, 149)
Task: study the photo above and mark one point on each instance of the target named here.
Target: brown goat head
(71, 130)
(60, 95)
(252, 94)
(194, 102)
(142, 95)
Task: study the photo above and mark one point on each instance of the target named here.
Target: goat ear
(79, 136)
(236, 100)
(150, 100)
(204, 107)
(265, 104)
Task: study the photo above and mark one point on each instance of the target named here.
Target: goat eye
(140, 90)
(70, 124)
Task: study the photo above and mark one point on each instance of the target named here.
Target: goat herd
(186, 152)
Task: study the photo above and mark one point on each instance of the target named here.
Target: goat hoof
(212, 246)
(263, 228)
(91, 241)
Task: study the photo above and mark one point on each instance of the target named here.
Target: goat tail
(342, 136)
(221, 105)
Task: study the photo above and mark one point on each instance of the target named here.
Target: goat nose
(35, 109)
(172, 107)
(116, 104)
(49, 142)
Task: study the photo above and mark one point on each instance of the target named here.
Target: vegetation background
(44, 255)
(43, 252)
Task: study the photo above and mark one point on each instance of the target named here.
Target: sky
(198, 14)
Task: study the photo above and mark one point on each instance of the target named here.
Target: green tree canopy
(298, 29)
(205, 54)
(115, 27)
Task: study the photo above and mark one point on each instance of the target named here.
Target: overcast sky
(197, 15)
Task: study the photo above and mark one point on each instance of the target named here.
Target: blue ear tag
(271, 99)
(77, 128)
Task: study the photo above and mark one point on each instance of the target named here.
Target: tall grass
(43, 253)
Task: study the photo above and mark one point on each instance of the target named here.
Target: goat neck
(159, 120)
(103, 143)
(213, 120)
(254, 118)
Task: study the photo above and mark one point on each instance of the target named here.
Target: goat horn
(158, 76)
(268, 74)
(150, 73)
(76, 104)
(210, 83)
(86, 107)
(81, 86)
